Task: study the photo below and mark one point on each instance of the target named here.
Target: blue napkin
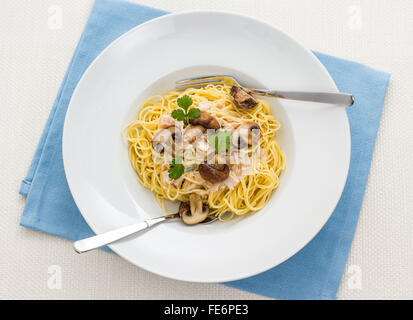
(313, 273)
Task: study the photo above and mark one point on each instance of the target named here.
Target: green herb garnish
(176, 169)
(185, 102)
(221, 141)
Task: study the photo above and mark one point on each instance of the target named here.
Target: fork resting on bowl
(338, 98)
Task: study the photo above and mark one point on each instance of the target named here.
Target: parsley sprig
(182, 114)
(176, 169)
(221, 140)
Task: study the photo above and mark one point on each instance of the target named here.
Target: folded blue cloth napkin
(313, 273)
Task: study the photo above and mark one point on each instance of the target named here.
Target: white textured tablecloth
(37, 40)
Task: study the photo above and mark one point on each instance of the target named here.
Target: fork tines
(200, 81)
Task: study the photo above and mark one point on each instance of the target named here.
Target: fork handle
(345, 99)
(103, 239)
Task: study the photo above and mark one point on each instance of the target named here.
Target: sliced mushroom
(194, 211)
(213, 173)
(184, 210)
(242, 99)
(244, 135)
(206, 120)
(164, 140)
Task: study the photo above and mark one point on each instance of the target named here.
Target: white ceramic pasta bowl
(147, 60)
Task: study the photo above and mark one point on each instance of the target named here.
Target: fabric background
(32, 67)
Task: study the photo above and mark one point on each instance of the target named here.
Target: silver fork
(345, 99)
(109, 237)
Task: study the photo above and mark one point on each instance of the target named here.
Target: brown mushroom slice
(213, 173)
(242, 99)
(194, 211)
(244, 135)
(206, 120)
(164, 140)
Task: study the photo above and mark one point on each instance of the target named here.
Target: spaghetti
(248, 187)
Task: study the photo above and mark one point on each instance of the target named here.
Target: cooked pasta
(249, 184)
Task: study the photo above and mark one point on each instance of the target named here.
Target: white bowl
(147, 60)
